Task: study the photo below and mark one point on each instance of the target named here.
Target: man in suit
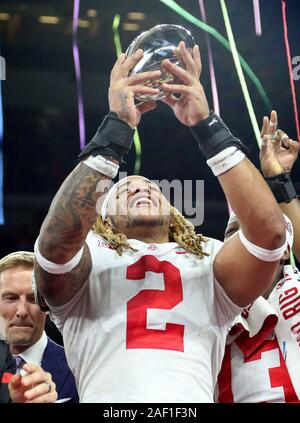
(24, 323)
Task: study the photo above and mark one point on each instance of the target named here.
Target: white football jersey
(254, 368)
(148, 326)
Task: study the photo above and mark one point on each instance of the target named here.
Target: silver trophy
(159, 43)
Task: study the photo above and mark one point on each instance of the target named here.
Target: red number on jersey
(138, 336)
(253, 364)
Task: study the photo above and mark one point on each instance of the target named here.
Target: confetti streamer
(189, 17)
(78, 74)
(257, 19)
(1, 158)
(288, 53)
(214, 87)
(240, 72)
(136, 137)
(290, 66)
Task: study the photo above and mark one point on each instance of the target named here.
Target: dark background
(41, 135)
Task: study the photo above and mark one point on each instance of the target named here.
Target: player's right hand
(123, 89)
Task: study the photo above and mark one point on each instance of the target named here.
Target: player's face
(139, 200)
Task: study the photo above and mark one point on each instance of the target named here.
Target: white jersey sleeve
(227, 309)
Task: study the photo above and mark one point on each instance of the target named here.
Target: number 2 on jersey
(137, 334)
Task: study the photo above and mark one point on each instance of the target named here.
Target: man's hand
(191, 107)
(123, 88)
(278, 152)
(34, 387)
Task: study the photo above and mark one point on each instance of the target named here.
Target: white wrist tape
(262, 253)
(54, 268)
(273, 124)
(225, 160)
(102, 165)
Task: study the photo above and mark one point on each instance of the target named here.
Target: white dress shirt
(34, 354)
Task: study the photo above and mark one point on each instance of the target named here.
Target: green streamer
(292, 258)
(136, 137)
(240, 72)
(212, 31)
(117, 41)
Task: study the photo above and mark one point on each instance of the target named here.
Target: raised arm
(243, 276)
(277, 158)
(63, 260)
(292, 210)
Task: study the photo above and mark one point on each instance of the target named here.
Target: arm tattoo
(71, 214)
(59, 289)
(70, 217)
(123, 114)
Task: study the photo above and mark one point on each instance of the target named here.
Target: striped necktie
(19, 363)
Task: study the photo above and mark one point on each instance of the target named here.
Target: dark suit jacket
(7, 369)
(54, 361)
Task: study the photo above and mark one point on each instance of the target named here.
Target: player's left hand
(278, 152)
(191, 106)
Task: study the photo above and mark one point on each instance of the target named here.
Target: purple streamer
(214, 87)
(257, 18)
(211, 63)
(78, 74)
(1, 157)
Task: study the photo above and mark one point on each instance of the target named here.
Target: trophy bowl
(159, 43)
